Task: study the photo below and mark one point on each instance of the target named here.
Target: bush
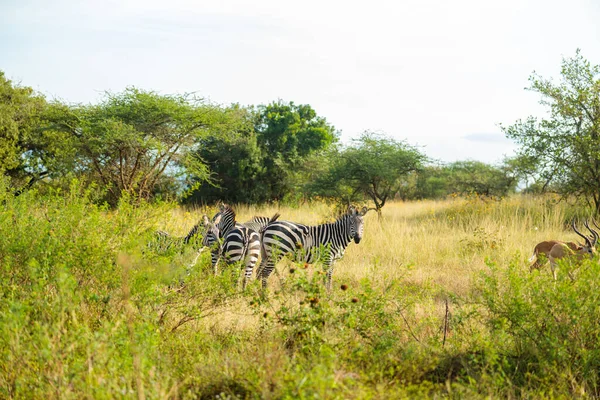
(542, 335)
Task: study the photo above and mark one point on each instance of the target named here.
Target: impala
(544, 248)
(561, 250)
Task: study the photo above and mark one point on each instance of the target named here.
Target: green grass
(88, 310)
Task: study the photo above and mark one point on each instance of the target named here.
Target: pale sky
(436, 73)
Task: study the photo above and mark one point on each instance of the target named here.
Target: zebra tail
(245, 247)
(274, 217)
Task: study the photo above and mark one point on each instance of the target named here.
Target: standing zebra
(241, 242)
(325, 243)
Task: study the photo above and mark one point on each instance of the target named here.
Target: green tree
(235, 163)
(566, 144)
(475, 177)
(286, 135)
(373, 166)
(432, 183)
(20, 108)
(135, 141)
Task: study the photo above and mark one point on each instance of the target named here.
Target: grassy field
(436, 301)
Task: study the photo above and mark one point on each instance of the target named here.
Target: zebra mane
(352, 210)
(262, 219)
(224, 219)
(224, 209)
(193, 232)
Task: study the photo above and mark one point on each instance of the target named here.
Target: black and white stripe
(258, 223)
(216, 230)
(241, 243)
(324, 243)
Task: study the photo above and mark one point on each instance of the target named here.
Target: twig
(446, 323)
(408, 326)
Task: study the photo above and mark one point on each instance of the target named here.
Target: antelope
(544, 248)
(562, 250)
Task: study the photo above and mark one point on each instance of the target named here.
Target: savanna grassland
(436, 301)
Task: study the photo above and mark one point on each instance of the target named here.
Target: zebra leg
(329, 274)
(266, 267)
(251, 259)
(214, 257)
(196, 258)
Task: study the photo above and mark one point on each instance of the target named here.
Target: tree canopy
(565, 145)
(132, 142)
(20, 110)
(286, 134)
(373, 166)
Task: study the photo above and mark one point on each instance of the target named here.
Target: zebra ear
(222, 206)
(351, 209)
(364, 210)
(205, 220)
(217, 219)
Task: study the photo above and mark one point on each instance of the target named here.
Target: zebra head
(224, 219)
(356, 223)
(211, 231)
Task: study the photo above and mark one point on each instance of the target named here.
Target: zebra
(326, 242)
(238, 243)
(163, 241)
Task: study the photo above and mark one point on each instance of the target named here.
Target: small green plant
(482, 240)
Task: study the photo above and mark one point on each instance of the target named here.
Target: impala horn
(594, 233)
(587, 239)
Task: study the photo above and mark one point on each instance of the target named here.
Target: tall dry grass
(441, 242)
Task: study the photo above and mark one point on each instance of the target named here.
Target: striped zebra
(163, 241)
(240, 242)
(324, 243)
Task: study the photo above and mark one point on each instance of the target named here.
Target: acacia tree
(373, 166)
(131, 141)
(20, 109)
(566, 145)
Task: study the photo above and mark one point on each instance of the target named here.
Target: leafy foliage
(20, 109)
(565, 146)
(287, 134)
(236, 166)
(374, 166)
(134, 142)
(545, 330)
(465, 178)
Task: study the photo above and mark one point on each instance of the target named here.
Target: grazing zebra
(325, 243)
(239, 243)
(164, 241)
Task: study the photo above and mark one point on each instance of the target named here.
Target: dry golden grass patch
(440, 243)
(443, 242)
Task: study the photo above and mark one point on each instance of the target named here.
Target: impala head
(589, 246)
(357, 224)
